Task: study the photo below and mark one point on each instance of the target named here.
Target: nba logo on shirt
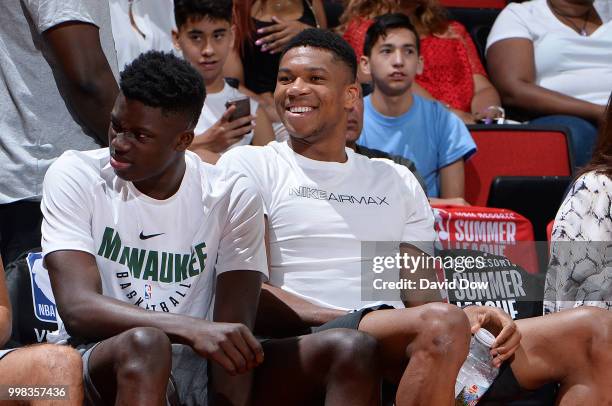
(148, 293)
(42, 295)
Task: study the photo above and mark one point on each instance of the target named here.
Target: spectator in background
(354, 126)
(41, 365)
(551, 59)
(400, 122)
(140, 26)
(57, 88)
(452, 71)
(205, 35)
(583, 229)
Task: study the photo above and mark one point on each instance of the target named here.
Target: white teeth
(300, 109)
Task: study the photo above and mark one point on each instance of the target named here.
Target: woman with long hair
(580, 272)
(452, 73)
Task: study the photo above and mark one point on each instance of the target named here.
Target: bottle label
(470, 395)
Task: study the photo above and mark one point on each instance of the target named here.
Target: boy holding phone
(205, 35)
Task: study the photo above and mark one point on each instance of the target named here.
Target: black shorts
(350, 320)
(505, 388)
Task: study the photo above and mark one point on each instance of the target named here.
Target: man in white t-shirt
(140, 238)
(322, 201)
(205, 35)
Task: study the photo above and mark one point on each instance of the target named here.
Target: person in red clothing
(452, 74)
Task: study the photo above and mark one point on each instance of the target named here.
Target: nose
(121, 143)
(398, 58)
(207, 49)
(297, 88)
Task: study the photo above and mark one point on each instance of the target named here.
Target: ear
(364, 64)
(175, 40)
(232, 36)
(420, 65)
(184, 140)
(351, 95)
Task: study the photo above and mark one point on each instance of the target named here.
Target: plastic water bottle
(477, 372)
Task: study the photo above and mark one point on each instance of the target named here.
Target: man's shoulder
(85, 162)
(256, 157)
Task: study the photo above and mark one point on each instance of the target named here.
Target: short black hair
(162, 80)
(382, 25)
(327, 40)
(184, 10)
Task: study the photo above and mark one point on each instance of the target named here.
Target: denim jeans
(582, 136)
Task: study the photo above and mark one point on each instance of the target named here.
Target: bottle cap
(484, 337)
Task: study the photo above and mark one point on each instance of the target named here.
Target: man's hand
(279, 34)
(500, 324)
(224, 133)
(231, 345)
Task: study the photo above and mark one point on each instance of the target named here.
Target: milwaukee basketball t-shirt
(319, 213)
(161, 255)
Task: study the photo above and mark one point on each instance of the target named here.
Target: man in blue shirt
(400, 122)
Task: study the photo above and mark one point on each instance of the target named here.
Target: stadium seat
(514, 150)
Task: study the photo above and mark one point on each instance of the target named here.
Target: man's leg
(131, 368)
(45, 365)
(422, 350)
(573, 348)
(338, 366)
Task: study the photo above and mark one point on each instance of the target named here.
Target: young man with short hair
(140, 238)
(402, 123)
(316, 200)
(321, 200)
(205, 35)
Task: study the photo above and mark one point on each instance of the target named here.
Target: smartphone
(243, 108)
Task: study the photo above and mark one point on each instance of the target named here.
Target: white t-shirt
(162, 255)
(214, 107)
(565, 61)
(320, 212)
(155, 18)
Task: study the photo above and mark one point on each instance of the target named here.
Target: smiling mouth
(300, 109)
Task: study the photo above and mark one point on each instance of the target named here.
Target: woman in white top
(554, 58)
(580, 271)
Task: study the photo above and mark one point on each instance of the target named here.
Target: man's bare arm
(236, 297)
(78, 58)
(415, 296)
(5, 310)
(452, 180)
(78, 293)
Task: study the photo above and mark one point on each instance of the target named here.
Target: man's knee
(443, 328)
(142, 350)
(594, 328)
(57, 363)
(352, 351)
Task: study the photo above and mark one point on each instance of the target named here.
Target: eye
(385, 51)
(195, 37)
(219, 36)
(283, 79)
(317, 78)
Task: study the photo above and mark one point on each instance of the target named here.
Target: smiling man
(321, 201)
(140, 239)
